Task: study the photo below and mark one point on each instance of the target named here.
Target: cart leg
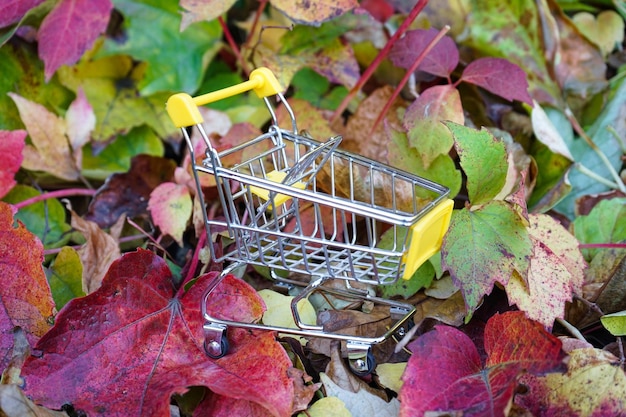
(360, 358)
(312, 287)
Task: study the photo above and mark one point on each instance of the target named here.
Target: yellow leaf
(327, 407)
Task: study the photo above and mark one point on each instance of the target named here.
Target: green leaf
(65, 277)
(309, 38)
(423, 121)
(606, 223)
(485, 246)
(22, 72)
(484, 160)
(613, 116)
(422, 278)
(175, 61)
(116, 156)
(615, 323)
(441, 170)
(46, 219)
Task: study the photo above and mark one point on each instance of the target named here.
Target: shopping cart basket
(298, 206)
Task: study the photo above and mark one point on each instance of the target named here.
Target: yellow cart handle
(183, 109)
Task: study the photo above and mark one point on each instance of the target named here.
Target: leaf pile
(517, 108)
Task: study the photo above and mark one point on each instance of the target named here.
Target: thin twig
(409, 73)
(572, 330)
(602, 246)
(257, 17)
(233, 45)
(379, 58)
(618, 137)
(67, 192)
(598, 151)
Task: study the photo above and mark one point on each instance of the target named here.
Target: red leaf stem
(419, 6)
(233, 45)
(68, 192)
(410, 71)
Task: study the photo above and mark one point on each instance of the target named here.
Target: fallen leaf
(65, 276)
(483, 159)
(423, 120)
(547, 133)
(500, 77)
(11, 146)
(128, 193)
(25, 298)
(440, 61)
(594, 385)
(605, 223)
(69, 30)
(314, 12)
(13, 403)
(605, 30)
(615, 323)
(197, 11)
(327, 407)
(170, 205)
(278, 311)
(483, 247)
(140, 332)
(97, 254)
(445, 374)
(50, 151)
(11, 12)
(390, 375)
(81, 121)
(360, 403)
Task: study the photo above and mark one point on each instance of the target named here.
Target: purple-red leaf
(440, 61)
(12, 11)
(499, 77)
(126, 348)
(445, 374)
(25, 298)
(69, 30)
(11, 146)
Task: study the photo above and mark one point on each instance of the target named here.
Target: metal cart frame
(296, 205)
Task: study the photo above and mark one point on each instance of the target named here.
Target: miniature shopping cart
(301, 207)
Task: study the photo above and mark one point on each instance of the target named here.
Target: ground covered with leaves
(519, 108)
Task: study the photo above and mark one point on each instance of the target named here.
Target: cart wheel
(215, 349)
(361, 367)
(404, 329)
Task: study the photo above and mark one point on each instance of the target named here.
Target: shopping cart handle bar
(183, 109)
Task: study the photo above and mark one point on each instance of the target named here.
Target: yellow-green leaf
(615, 323)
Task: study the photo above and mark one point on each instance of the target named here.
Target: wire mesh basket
(299, 206)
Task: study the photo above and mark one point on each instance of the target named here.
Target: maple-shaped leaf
(440, 61)
(69, 30)
(25, 298)
(128, 347)
(485, 246)
(423, 121)
(500, 77)
(555, 275)
(13, 11)
(170, 206)
(445, 374)
(484, 160)
(50, 151)
(594, 385)
(314, 12)
(11, 146)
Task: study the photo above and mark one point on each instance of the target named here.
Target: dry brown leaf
(98, 252)
(13, 403)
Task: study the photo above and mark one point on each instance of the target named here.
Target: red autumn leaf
(445, 373)
(25, 298)
(500, 77)
(13, 10)
(11, 146)
(128, 347)
(440, 61)
(69, 30)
